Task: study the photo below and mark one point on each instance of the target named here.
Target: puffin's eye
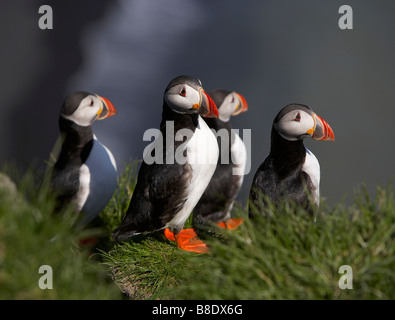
(298, 117)
(92, 102)
(183, 92)
(233, 99)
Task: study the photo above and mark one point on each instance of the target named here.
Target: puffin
(85, 172)
(167, 191)
(291, 171)
(217, 201)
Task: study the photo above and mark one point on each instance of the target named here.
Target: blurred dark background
(272, 52)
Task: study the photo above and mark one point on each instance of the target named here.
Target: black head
(83, 108)
(186, 95)
(229, 103)
(298, 121)
(72, 102)
(193, 82)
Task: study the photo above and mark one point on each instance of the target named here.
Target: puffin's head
(229, 103)
(185, 95)
(297, 121)
(83, 108)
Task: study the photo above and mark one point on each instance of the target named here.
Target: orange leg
(169, 235)
(187, 240)
(231, 224)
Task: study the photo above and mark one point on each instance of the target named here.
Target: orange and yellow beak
(322, 130)
(207, 107)
(242, 106)
(107, 110)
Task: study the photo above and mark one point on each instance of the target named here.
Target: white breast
(84, 188)
(98, 181)
(239, 156)
(202, 156)
(312, 167)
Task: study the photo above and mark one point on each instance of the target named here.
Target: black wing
(262, 187)
(218, 196)
(160, 192)
(65, 184)
(266, 185)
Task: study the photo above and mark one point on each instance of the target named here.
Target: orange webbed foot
(231, 224)
(187, 240)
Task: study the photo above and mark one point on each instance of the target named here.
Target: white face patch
(294, 125)
(228, 107)
(87, 112)
(182, 98)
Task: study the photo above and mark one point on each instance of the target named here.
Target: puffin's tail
(122, 233)
(133, 224)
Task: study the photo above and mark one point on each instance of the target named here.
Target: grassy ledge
(288, 256)
(284, 255)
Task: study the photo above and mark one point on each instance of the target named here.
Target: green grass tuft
(32, 236)
(119, 203)
(146, 266)
(289, 256)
